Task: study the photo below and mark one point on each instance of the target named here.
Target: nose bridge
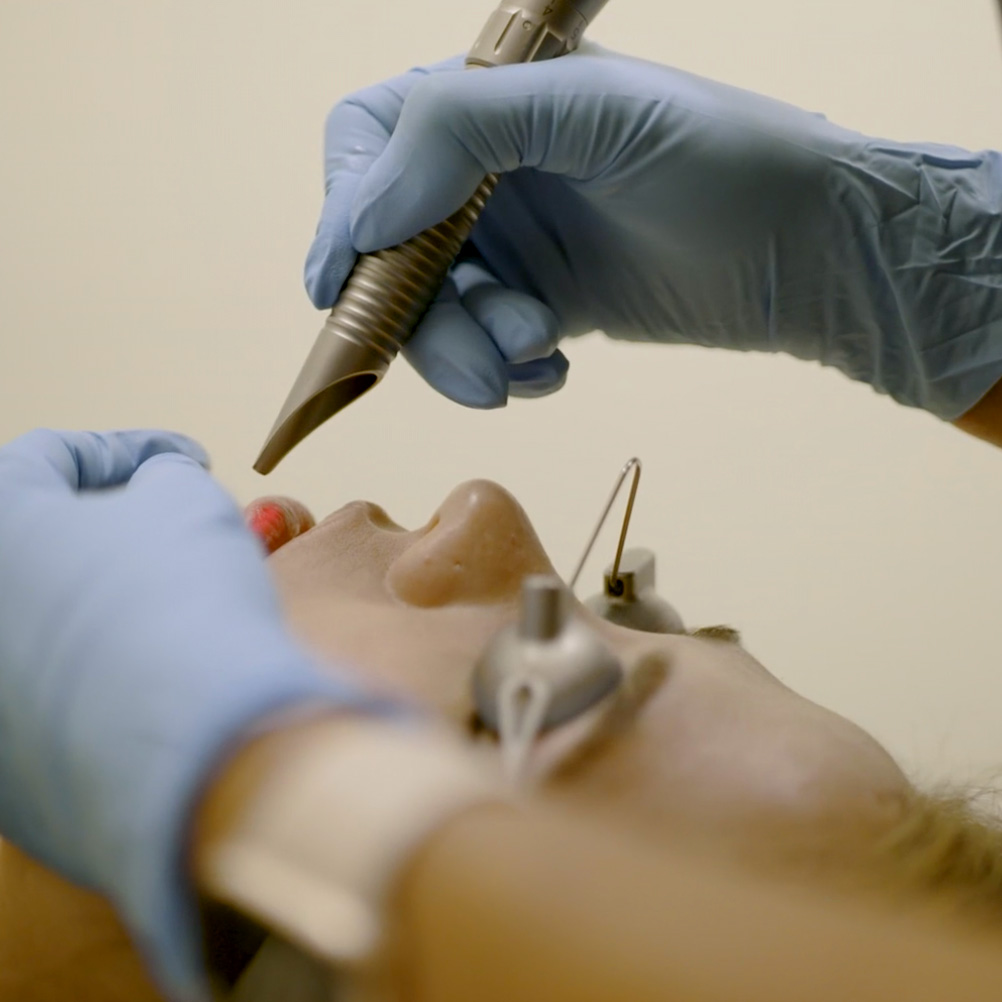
(481, 527)
(476, 504)
(477, 548)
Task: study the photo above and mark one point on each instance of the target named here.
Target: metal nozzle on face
(388, 292)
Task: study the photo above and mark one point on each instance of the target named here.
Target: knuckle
(434, 100)
(41, 441)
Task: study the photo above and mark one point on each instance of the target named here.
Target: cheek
(767, 782)
(423, 656)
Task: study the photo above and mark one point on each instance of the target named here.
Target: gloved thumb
(87, 460)
(178, 487)
(457, 126)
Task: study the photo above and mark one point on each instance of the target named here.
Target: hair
(947, 849)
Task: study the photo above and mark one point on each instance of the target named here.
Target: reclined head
(712, 747)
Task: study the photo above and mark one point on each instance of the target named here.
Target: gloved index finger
(356, 132)
(552, 115)
(84, 460)
(359, 126)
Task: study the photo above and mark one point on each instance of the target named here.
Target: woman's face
(722, 751)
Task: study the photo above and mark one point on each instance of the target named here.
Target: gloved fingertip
(172, 459)
(478, 394)
(331, 255)
(317, 288)
(173, 483)
(454, 354)
(540, 377)
(328, 265)
(187, 448)
(373, 229)
(146, 444)
(481, 386)
(177, 467)
(524, 328)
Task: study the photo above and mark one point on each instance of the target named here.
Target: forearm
(502, 906)
(60, 942)
(502, 903)
(937, 257)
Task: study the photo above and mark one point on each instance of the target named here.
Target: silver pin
(632, 464)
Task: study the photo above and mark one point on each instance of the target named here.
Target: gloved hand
(139, 638)
(659, 206)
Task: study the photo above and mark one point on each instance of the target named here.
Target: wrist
(937, 237)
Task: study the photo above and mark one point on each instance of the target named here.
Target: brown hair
(944, 849)
(947, 847)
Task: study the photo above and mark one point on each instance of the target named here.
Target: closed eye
(725, 634)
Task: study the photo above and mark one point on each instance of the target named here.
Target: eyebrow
(725, 634)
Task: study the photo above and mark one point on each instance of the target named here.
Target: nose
(476, 549)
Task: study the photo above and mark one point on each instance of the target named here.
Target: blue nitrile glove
(139, 636)
(658, 206)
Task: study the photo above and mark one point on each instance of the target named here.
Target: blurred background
(160, 180)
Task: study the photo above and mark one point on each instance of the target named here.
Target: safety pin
(635, 465)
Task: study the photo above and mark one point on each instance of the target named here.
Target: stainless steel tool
(389, 291)
(628, 596)
(541, 672)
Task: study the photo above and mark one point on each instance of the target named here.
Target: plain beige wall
(159, 182)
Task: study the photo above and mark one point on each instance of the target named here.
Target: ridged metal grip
(389, 291)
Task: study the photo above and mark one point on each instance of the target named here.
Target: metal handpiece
(389, 291)
(629, 598)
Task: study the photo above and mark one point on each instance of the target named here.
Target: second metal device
(389, 291)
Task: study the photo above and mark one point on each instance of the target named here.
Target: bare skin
(984, 419)
(721, 753)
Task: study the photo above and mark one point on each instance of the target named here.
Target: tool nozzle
(336, 372)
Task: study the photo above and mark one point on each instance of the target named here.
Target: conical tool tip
(336, 372)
